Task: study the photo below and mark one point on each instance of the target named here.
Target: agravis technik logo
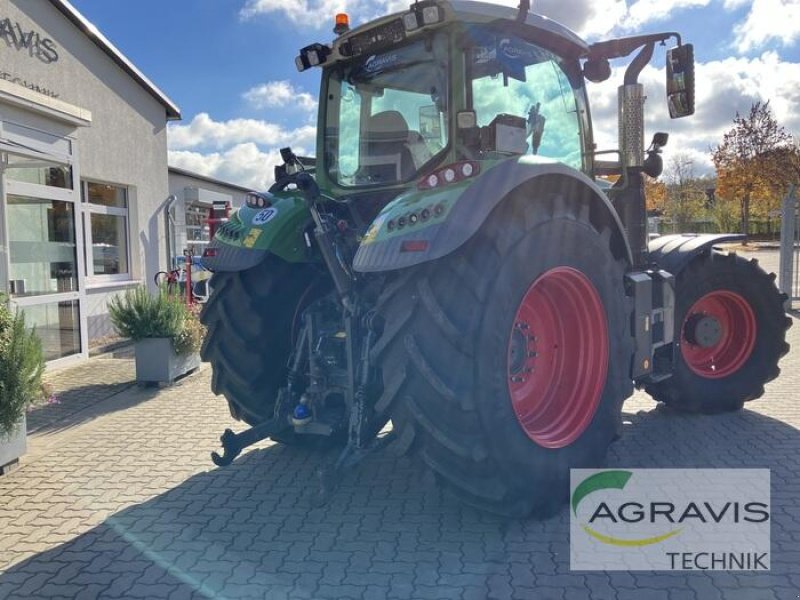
(609, 480)
(715, 519)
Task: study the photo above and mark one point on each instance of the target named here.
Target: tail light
(452, 173)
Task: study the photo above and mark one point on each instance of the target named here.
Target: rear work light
(257, 200)
(312, 56)
(449, 174)
(422, 14)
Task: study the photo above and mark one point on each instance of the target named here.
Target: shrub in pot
(21, 368)
(167, 334)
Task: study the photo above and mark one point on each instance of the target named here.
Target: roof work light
(422, 14)
(312, 56)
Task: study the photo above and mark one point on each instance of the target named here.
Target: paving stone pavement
(120, 500)
(77, 389)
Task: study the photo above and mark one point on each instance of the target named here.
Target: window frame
(87, 210)
(332, 76)
(569, 66)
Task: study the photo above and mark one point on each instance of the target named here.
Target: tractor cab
(452, 81)
(447, 82)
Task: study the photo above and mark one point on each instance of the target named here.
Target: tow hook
(234, 443)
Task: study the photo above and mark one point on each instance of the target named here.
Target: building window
(42, 246)
(54, 176)
(106, 230)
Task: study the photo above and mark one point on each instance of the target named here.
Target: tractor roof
(377, 32)
(383, 33)
(469, 11)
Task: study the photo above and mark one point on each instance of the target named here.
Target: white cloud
(204, 132)
(243, 164)
(768, 20)
(279, 94)
(649, 11)
(242, 151)
(319, 14)
(587, 17)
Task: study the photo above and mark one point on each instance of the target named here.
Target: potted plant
(166, 333)
(21, 368)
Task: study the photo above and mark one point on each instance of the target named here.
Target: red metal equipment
(219, 213)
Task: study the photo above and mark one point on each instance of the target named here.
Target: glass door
(43, 274)
(43, 270)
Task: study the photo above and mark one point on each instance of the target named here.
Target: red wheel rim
(558, 357)
(732, 326)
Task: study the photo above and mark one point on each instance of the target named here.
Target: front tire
(730, 331)
(508, 359)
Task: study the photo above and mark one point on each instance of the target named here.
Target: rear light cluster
(450, 174)
(418, 216)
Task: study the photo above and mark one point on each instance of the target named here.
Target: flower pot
(12, 446)
(157, 362)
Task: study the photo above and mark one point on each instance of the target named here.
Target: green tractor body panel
(403, 236)
(251, 233)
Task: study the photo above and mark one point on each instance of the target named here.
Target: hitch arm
(234, 443)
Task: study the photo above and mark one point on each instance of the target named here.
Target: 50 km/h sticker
(265, 216)
(670, 519)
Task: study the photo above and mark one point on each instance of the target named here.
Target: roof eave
(94, 34)
(206, 178)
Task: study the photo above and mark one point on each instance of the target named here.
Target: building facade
(191, 198)
(83, 173)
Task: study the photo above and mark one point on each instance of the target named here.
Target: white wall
(126, 143)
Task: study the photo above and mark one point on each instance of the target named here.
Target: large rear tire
(730, 332)
(251, 318)
(507, 360)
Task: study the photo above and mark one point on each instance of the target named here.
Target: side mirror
(680, 81)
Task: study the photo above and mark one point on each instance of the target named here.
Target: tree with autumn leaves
(755, 163)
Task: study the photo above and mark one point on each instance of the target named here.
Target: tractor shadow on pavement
(250, 530)
(83, 392)
(82, 404)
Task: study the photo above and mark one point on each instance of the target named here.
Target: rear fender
(463, 207)
(673, 253)
(252, 233)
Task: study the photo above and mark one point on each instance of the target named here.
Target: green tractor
(453, 261)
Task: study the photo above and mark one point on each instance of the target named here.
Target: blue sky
(229, 65)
